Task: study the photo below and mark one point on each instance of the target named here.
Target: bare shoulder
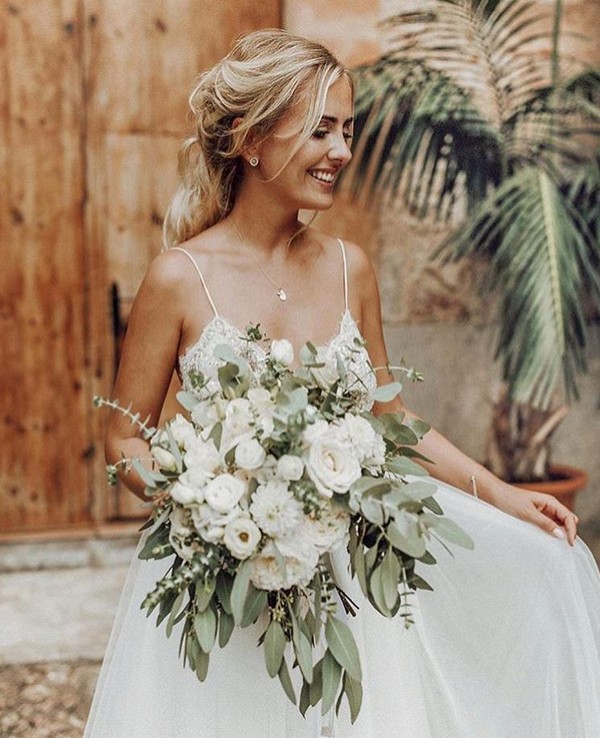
(361, 273)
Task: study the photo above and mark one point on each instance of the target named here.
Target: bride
(508, 643)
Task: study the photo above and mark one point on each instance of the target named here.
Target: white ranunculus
(282, 352)
(300, 559)
(315, 430)
(249, 454)
(182, 430)
(183, 493)
(164, 458)
(267, 471)
(329, 530)
(241, 537)
(367, 444)
(290, 467)
(331, 465)
(224, 492)
(238, 417)
(326, 375)
(275, 509)
(202, 461)
(204, 517)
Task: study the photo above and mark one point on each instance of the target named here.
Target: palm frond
(495, 51)
(418, 134)
(540, 259)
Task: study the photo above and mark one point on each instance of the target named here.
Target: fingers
(555, 512)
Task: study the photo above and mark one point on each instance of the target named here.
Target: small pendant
(281, 295)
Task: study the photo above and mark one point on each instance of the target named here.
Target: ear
(250, 149)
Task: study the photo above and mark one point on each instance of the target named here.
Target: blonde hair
(264, 75)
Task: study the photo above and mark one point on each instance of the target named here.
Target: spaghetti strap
(343, 248)
(197, 268)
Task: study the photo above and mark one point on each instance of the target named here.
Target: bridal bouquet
(257, 487)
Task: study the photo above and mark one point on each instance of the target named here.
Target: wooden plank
(140, 64)
(44, 440)
(146, 56)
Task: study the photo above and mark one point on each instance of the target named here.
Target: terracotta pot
(564, 483)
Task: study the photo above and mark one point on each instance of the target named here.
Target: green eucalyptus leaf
(239, 592)
(390, 569)
(216, 434)
(420, 490)
(448, 530)
(226, 626)
(303, 651)
(286, 682)
(274, 647)
(204, 593)
(187, 400)
(202, 661)
(175, 611)
(315, 690)
(304, 703)
(387, 392)
(419, 583)
(403, 533)
(256, 601)
(332, 674)
(418, 427)
(377, 591)
(205, 627)
(354, 693)
(360, 570)
(343, 647)
(373, 510)
(223, 589)
(402, 466)
(146, 475)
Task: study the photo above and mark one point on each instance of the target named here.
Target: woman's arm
(450, 464)
(147, 361)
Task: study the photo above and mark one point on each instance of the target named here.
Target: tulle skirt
(506, 646)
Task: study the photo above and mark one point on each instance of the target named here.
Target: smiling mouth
(324, 177)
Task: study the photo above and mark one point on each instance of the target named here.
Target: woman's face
(307, 180)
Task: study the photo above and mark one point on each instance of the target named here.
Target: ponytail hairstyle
(263, 77)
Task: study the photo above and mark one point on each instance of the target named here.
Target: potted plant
(468, 119)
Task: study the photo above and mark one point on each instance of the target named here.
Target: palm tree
(467, 120)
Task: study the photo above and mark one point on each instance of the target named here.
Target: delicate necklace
(279, 291)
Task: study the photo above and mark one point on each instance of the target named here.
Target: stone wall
(433, 317)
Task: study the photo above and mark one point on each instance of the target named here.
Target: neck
(264, 223)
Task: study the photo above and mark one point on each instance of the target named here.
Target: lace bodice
(346, 344)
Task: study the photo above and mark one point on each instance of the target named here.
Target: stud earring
(253, 161)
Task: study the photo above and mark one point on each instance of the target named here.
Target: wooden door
(91, 118)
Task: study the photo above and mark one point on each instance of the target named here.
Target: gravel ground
(46, 700)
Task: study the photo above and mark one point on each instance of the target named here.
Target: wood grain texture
(141, 63)
(44, 435)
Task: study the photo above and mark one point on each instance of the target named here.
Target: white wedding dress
(506, 646)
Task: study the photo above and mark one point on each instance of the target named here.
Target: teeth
(322, 176)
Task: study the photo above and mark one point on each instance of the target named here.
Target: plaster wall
(433, 316)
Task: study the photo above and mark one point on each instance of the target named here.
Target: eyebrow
(333, 119)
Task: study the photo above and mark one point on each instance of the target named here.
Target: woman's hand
(540, 509)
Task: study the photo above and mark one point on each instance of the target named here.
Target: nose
(340, 150)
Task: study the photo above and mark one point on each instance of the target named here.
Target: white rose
(267, 471)
(282, 352)
(183, 494)
(290, 467)
(331, 465)
(249, 454)
(326, 375)
(182, 430)
(164, 458)
(241, 537)
(238, 417)
(275, 509)
(300, 559)
(224, 492)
